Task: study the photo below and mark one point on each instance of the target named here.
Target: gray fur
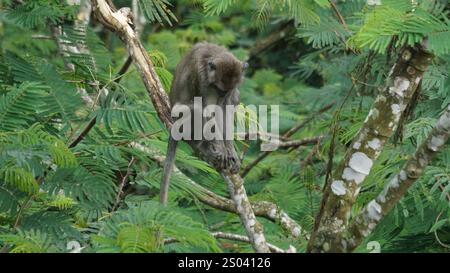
(213, 73)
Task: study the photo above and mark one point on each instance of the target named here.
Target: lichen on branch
(393, 191)
(379, 126)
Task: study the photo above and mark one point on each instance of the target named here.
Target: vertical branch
(121, 22)
(378, 127)
(379, 207)
(254, 229)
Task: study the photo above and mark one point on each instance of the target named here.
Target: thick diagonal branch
(393, 191)
(264, 209)
(121, 22)
(378, 127)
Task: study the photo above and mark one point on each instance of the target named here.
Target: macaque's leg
(213, 151)
(232, 160)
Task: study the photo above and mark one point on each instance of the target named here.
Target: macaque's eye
(211, 65)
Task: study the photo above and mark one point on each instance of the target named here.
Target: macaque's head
(225, 72)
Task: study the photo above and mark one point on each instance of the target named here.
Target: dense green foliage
(103, 191)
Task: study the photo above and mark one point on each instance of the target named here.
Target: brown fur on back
(193, 68)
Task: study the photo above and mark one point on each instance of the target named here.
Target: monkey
(213, 73)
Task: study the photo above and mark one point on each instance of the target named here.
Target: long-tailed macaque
(213, 73)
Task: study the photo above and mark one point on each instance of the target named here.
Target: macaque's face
(225, 74)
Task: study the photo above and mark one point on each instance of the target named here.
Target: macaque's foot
(232, 162)
(217, 155)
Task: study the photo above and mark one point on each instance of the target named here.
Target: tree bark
(378, 127)
(379, 207)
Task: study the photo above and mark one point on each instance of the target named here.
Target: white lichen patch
(394, 183)
(400, 85)
(436, 142)
(350, 175)
(403, 175)
(361, 163)
(296, 231)
(380, 98)
(390, 124)
(272, 213)
(259, 240)
(374, 210)
(374, 144)
(365, 232)
(444, 121)
(338, 187)
(374, 113)
(337, 225)
(357, 145)
(396, 109)
(382, 196)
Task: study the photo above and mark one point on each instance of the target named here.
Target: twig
(122, 184)
(93, 120)
(310, 155)
(272, 39)
(436, 234)
(299, 142)
(339, 15)
(288, 134)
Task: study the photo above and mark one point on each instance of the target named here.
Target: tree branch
(285, 30)
(288, 134)
(264, 209)
(123, 184)
(339, 15)
(240, 238)
(120, 22)
(299, 142)
(379, 207)
(378, 127)
(245, 239)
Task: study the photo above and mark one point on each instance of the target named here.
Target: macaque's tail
(168, 167)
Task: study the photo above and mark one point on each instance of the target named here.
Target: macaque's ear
(211, 65)
(244, 65)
